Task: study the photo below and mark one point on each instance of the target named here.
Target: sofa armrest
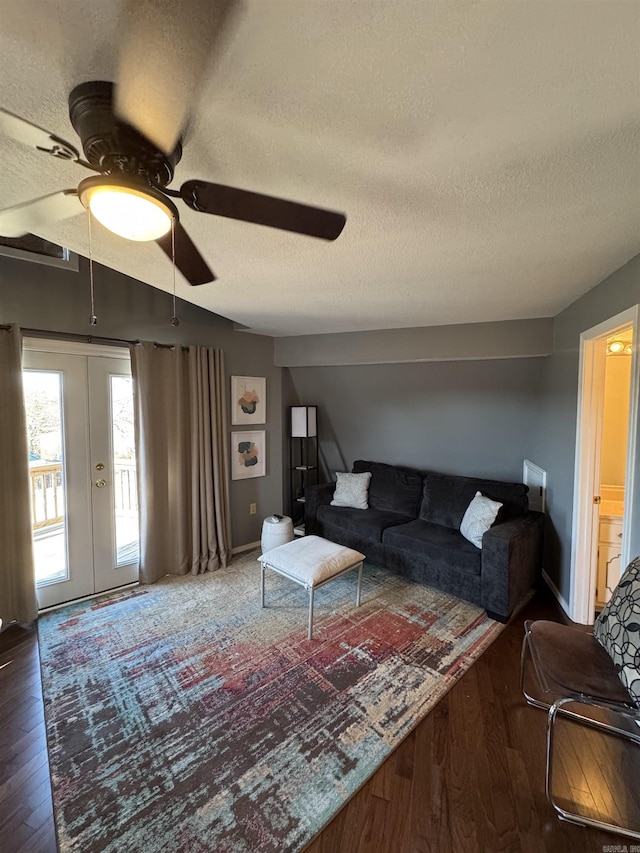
(511, 562)
(315, 496)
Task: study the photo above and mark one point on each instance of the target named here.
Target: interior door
(82, 471)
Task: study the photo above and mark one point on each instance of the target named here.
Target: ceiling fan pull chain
(174, 319)
(93, 320)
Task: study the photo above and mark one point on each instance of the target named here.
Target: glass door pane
(43, 403)
(125, 490)
(114, 502)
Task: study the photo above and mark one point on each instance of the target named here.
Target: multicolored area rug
(183, 717)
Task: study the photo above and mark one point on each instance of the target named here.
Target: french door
(82, 468)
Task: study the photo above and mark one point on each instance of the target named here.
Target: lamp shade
(304, 421)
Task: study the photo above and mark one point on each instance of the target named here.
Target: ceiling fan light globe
(128, 207)
(129, 213)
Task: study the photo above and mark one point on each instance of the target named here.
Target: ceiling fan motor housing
(112, 146)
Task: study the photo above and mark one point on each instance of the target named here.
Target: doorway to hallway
(605, 461)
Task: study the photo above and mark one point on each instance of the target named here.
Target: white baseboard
(556, 594)
(249, 547)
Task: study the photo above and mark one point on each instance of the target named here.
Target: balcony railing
(48, 498)
(125, 486)
(47, 495)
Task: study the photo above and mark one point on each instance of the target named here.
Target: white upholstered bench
(311, 562)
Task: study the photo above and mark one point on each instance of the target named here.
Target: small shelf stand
(303, 459)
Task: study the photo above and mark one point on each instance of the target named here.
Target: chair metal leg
(261, 584)
(536, 703)
(564, 814)
(359, 585)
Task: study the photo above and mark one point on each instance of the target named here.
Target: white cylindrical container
(276, 530)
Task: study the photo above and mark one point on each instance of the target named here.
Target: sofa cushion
(366, 523)
(445, 498)
(446, 547)
(392, 488)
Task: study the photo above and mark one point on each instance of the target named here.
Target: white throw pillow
(352, 490)
(478, 518)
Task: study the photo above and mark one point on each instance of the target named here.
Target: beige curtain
(17, 580)
(182, 452)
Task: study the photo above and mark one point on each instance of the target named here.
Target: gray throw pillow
(352, 490)
(617, 629)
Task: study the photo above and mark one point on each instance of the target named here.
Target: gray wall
(463, 417)
(479, 416)
(554, 439)
(502, 339)
(44, 297)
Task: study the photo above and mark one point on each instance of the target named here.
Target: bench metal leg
(311, 589)
(310, 613)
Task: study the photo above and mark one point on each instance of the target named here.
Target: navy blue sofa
(412, 527)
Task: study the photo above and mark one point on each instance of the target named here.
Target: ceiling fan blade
(30, 216)
(263, 209)
(30, 134)
(163, 53)
(188, 259)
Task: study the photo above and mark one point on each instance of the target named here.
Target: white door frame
(92, 543)
(588, 428)
(77, 491)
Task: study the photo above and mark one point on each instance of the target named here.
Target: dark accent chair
(579, 681)
(412, 526)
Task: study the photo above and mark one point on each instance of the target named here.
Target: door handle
(100, 484)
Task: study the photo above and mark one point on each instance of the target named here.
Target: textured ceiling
(486, 153)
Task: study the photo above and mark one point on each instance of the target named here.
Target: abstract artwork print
(248, 400)
(247, 455)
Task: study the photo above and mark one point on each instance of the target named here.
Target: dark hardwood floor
(26, 811)
(469, 778)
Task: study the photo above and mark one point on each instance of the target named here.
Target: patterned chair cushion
(617, 629)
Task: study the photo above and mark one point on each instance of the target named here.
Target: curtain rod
(76, 336)
(73, 336)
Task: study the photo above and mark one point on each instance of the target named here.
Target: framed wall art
(248, 455)
(248, 400)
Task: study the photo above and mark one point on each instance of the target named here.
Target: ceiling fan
(130, 134)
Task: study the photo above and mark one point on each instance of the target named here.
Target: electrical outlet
(252, 509)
